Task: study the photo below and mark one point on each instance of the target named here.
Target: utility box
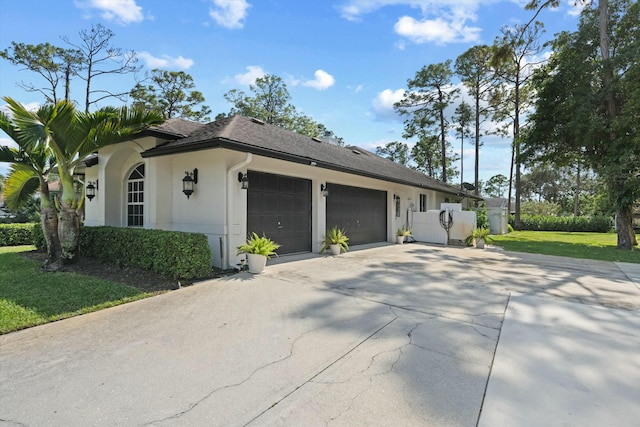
(498, 215)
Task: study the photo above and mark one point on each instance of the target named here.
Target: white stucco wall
(218, 206)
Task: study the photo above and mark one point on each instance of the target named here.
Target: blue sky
(345, 62)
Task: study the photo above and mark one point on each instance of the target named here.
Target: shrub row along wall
(177, 254)
(596, 224)
(171, 253)
(16, 234)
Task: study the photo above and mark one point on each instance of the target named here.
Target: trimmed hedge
(172, 253)
(177, 254)
(595, 224)
(16, 234)
(38, 237)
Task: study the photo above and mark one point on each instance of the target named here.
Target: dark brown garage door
(360, 212)
(280, 207)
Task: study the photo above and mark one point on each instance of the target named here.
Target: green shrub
(172, 253)
(37, 237)
(595, 224)
(482, 217)
(336, 236)
(259, 246)
(16, 234)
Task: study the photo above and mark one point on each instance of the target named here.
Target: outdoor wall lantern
(244, 180)
(324, 190)
(91, 189)
(189, 180)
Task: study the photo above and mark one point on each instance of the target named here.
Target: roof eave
(157, 133)
(248, 148)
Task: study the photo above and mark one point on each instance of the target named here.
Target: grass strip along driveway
(30, 297)
(599, 246)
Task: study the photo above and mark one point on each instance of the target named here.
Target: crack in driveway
(258, 369)
(322, 370)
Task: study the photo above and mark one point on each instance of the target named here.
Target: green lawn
(30, 297)
(600, 246)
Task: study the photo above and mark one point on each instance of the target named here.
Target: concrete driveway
(392, 335)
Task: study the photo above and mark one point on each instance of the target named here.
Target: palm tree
(29, 173)
(69, 136)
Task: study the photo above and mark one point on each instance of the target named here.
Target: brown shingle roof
(169, 130)
(253, 136)
(173, 128)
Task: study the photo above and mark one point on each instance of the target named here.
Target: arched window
(135, 197)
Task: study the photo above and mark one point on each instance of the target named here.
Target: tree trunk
(513, 155)
(67, 83)
(607, 69)
(477, 165)
(443, 141)
(49, 224)
(576, 202)
(625, 232)
(516, 149)
(626, 235)
(87, 101)
(69, 233)
(462, 159)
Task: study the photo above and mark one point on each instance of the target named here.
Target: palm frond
(8, 154)
(20, 186)
(28, 128)
(109, 126)
(7, 127)
(65, 135)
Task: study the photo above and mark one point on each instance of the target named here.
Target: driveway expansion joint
(493, 359)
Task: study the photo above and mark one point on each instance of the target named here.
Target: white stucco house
(297, 186)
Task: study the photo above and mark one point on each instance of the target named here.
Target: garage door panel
(280, 207)
(361, 212)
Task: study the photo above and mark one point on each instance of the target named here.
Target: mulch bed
(144, 280)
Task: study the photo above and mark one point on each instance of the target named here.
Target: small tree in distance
(496, 185)
(171, 94)
(269, 102)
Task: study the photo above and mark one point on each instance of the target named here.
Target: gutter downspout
(230, 184)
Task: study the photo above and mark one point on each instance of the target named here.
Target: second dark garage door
(280, 208)
(360, 212)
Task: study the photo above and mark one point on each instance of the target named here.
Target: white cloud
(165, 61)
(353, 9)
(291, 80)
(121, 11)
(440, 21)
(229, 13)
(450, 28)
(253, 72)
(383, 104)
(322, 81)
